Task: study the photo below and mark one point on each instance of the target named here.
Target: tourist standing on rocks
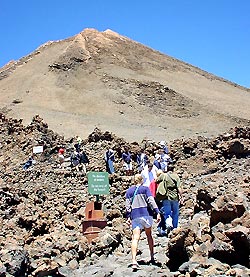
(109, 160)
(78, 144)
(75, 159)
(169, 192)
(140, 206)
(164, 147)
(61, 156)
(157, 161)
(127, 161)
(165, 160)
(84, 160)
(142, 160)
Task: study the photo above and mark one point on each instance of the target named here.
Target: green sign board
(98, 183)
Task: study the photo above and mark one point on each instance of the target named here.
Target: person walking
(75, 159)
(149, 174)
(153, 188)
(84, 160)
(157, 161)
(142, 160)
(140, 206)
(165, 160)
(170, 193)
(109, 159)
(78, 144)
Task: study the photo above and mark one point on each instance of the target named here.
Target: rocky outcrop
(42, 208)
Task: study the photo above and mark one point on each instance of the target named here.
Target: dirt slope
(102, 79)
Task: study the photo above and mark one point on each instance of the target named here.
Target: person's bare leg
(134, 244)
(148, 232)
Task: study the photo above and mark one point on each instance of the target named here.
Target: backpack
(168, 183)
(161, 192)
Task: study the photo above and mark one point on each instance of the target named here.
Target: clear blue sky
(213, 35)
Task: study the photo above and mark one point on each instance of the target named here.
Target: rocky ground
(42, 209)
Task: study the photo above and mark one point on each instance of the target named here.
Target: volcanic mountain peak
(88, 44)
(107, 80)
(110, 32)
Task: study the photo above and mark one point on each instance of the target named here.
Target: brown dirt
(102, 79)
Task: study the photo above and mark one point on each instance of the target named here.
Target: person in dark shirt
(29, 163)
(75, 160)
(109, 160)
(157, 161)
(127, 161)
(84, 160)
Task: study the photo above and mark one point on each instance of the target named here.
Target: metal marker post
(97, 198)
(95, 221)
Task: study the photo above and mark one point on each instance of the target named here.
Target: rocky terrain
(42, 208)
(114, 92)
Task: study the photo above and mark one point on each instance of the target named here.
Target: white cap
(162, 142)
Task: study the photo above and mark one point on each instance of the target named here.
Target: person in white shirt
(165, 160)
(149, 174)
(142, 160)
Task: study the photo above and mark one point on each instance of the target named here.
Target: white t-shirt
(148, 176)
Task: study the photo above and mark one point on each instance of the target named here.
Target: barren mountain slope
(107, 80)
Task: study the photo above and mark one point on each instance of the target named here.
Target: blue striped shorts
(142, 222)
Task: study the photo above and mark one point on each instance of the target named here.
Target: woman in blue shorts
(140, 206)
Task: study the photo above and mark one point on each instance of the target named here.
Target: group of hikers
(162, 159)
(160, 201)
(155, 194)
(79, 159)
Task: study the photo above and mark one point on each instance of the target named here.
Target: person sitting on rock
(29, 163)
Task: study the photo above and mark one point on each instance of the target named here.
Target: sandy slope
(109, 81)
